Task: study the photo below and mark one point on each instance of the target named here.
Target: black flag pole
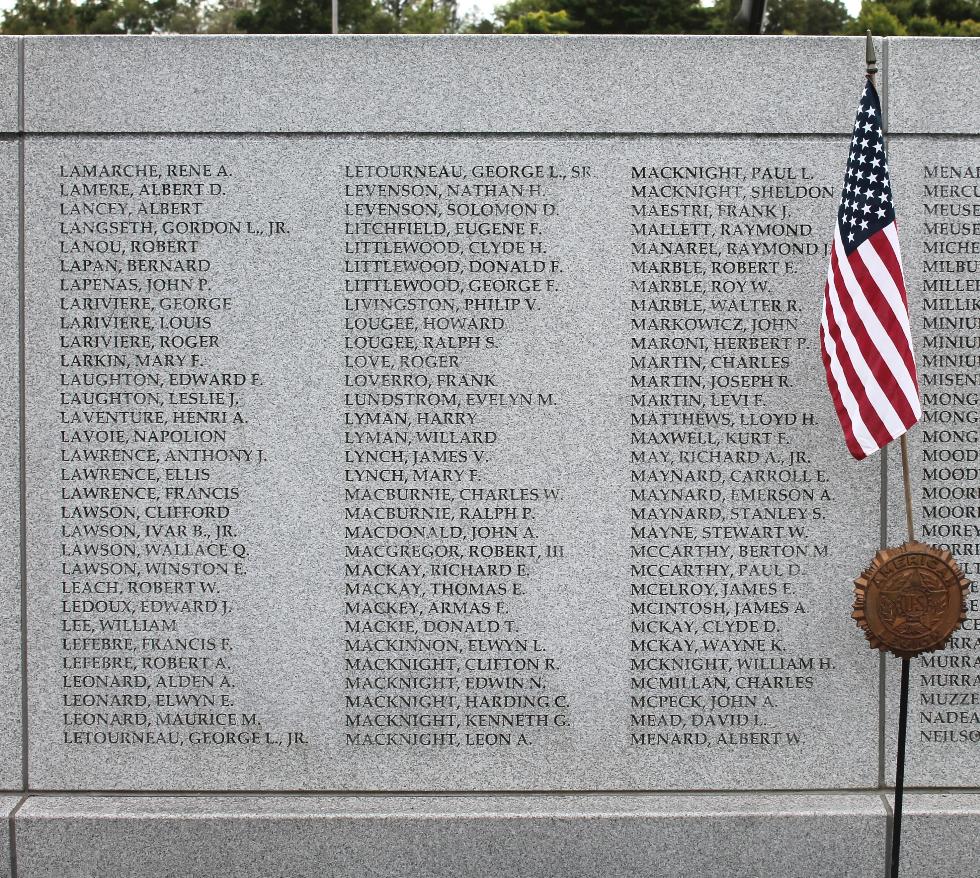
(903, 703)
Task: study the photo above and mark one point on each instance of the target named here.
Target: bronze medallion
(911, 599)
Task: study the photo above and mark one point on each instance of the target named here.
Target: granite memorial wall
(419, 461)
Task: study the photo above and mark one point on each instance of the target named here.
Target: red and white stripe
(866, 342)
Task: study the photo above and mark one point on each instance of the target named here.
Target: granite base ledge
(518, 836)
(940, 835)
(7, 806)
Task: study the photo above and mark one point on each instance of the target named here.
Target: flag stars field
(871, 172)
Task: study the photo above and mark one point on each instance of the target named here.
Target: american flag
(865, 336)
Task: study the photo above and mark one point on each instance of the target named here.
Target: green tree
(539, 21)
(930, 26)
(478, 25)
(955, 10)
(638, 16)
(877, 18)
(355, 16)
(947, 18)
(883, 17)
(220, 17)
(42, 17)
(721, 17)
(427, 17)
(308, 17)
(903, 10)
(601, 17)
(806, 17)
(102, 17)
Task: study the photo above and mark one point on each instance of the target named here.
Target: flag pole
(903, 700)
(903, 704)
(908, 485)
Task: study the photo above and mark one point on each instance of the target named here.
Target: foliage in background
(884, 17)
(356, 16)
(807, 17)
(228, 16)
(925, 18)
(103, 17)
(619, 16)
(816, 17)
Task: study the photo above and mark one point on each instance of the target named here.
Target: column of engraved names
(725, 502)
(443, 265)
(949, 377)
(153, 438)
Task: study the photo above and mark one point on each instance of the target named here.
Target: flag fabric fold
(865, 332)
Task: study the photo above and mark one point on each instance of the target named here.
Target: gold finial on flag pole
(870, 57)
